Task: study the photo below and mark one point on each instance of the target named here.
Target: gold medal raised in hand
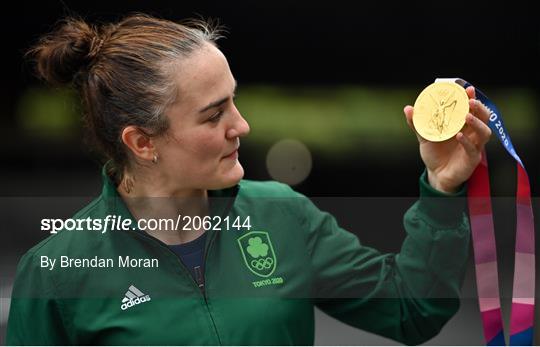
(440, 110)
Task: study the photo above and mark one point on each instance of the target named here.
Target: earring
(128, 184)
(154, 158)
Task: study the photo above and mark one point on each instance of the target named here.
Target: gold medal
(440, 110)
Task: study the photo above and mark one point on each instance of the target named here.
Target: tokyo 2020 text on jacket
(261, 284)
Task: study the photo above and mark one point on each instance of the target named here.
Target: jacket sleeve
(407, 297)
(34, 315)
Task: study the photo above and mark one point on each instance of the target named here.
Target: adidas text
(133, 297)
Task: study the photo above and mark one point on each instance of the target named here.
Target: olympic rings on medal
(261, 264)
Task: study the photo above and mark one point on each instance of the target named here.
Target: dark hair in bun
(62, 54)
(123, 72)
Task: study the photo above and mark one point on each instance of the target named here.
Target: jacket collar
(220, 200)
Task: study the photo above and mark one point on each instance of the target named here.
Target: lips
(231, 153)
(234, 150)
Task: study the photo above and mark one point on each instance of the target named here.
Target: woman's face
(199, 151)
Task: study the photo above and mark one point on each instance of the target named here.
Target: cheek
(205, 145)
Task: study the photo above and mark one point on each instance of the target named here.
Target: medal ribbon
(485, 253)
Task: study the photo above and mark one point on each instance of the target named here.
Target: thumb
(409, 110)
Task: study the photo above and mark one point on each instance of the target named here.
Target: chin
(230, 178)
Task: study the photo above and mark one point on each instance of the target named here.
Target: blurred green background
(331, 120)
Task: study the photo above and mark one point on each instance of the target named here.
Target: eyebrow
(218, 102)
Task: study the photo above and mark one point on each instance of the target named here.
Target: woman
(159, 102)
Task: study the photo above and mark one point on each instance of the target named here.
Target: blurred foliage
(49, 113)
(339, 119)
(327, 119)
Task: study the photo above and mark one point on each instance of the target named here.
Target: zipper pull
(199, 278)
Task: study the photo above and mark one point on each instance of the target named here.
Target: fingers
(409, 110)
(470, 92)
(479, 110)
(481, 129)
(469, 146)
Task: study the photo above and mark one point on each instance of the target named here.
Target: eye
(216, 117)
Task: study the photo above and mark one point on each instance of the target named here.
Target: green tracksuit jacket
(261, 284)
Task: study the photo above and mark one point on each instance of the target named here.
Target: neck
(157, 201)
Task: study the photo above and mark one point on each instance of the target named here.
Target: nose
(240, 126)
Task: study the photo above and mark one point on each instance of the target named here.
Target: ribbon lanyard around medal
(485, 253)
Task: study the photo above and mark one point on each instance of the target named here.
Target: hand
(450, 163)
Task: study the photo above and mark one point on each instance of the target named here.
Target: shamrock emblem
(257, 248)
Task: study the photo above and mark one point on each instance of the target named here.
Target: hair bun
(63, 53)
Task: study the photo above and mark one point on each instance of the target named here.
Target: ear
(140, 144)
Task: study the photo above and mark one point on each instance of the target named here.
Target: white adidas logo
(133, 297)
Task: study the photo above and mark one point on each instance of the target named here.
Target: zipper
(201, 291)
(224, 213)
(199, 288)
